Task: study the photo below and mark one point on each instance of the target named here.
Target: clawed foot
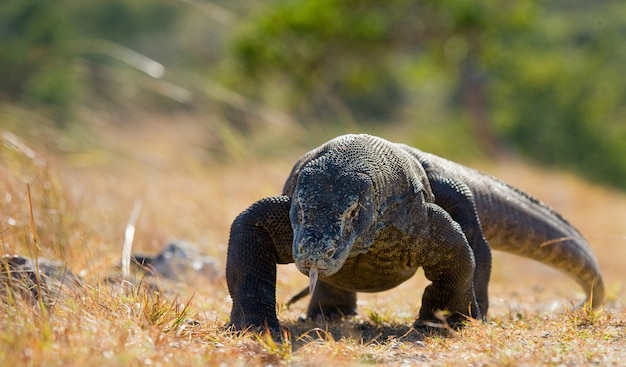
(429, 328)
(275, 330)
(445, 325)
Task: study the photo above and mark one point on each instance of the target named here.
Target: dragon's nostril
(330, 252)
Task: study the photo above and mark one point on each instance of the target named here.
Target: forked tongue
(312, 280)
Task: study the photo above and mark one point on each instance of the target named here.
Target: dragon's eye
(351, 214)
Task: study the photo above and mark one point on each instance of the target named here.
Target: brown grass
(82, 200)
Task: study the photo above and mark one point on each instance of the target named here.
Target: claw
(312, 280)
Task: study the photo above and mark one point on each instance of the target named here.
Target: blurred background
(469, 80)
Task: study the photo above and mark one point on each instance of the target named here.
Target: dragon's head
(332, 215)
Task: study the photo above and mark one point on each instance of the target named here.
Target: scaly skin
(514, 222)
(363, 214)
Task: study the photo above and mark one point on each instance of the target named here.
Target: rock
(177, 261)
(19, 277)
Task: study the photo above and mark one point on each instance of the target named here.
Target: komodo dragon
(361, 214)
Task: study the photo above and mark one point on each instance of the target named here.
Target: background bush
(543, 79)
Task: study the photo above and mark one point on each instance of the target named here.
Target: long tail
(298, 296)
(517, 223)
(520, 224)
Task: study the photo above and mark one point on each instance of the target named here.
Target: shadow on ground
(361, 331)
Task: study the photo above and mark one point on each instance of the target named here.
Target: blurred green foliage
(55, 53)
(542, 78)
(562, 98)
(33, 54)
(336, 54)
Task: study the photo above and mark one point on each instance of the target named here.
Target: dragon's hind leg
(331, 303)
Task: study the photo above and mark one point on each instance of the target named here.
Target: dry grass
(82, 201)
